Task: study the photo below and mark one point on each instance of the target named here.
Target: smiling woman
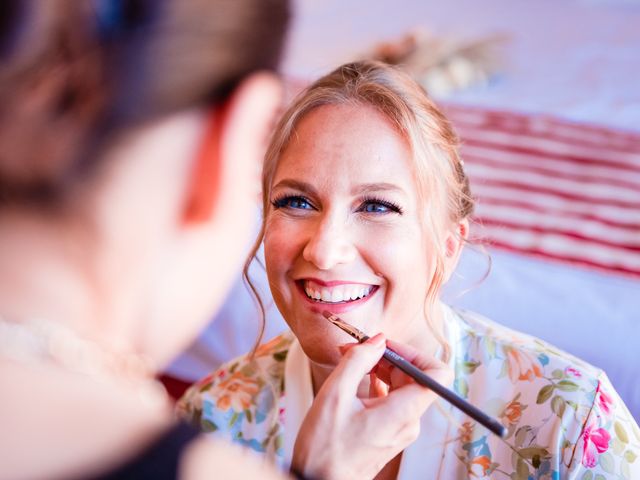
(366, 208)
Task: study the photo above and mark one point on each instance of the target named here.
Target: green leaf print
(567, 386)
(469, 367)
(588, 475)
(531, 452)
(557, 374)
(273, 429)
(247, 412)
(544, 394)
(606, 462)
(234, 419)
(521, 435)
(522, 470)
(280, 356)
(461, 387)
(621, 432)
(558, 405)
(617, 447)
(205, 387)
(535, 461)
(629, 456)
(599, 476)
(208, 426)
(491, 347)
(196, 419)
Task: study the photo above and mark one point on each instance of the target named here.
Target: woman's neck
(45, 273)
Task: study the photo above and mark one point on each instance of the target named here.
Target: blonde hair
(442, 182)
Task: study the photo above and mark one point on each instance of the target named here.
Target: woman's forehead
(353, 140)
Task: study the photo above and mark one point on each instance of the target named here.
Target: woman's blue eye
(375, 208)
(379, 206)
(296, 202)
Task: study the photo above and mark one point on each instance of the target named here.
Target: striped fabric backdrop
(552, 188)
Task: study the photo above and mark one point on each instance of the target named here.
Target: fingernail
(377, 340)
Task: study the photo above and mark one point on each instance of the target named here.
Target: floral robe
(563, 416)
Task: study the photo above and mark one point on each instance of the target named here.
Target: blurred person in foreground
(130, 136)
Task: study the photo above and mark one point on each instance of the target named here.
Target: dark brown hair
(75, 73)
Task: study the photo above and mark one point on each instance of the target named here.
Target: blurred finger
(344, 348)
(439, 371)
(415, 356)
(402, 406)
(377, 388)
(354, 365)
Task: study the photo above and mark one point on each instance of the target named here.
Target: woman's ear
(218, 213)
(206, 170)
(453, 246)
(233, 142)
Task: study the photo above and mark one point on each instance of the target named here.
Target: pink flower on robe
(604, 401)
(595, 442)
(570, 371)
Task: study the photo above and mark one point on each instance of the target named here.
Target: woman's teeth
(338, 293)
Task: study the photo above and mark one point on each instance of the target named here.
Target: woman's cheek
(401, 258)
(280, 246)
(391, 250)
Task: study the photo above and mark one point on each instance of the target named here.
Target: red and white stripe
(553, 188)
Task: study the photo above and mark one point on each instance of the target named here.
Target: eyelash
(385, 203)
(282, 202)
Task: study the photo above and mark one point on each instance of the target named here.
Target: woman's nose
(329, 245)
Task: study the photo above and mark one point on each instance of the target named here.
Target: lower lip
(319, 307)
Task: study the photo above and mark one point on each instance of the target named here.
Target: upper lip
(332, 283)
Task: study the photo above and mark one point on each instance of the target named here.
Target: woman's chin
(326, 357)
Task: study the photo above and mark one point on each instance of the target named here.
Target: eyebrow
(296, 185)
(377, 187)
(358, 190)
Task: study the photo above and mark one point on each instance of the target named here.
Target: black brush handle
(426, 381)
